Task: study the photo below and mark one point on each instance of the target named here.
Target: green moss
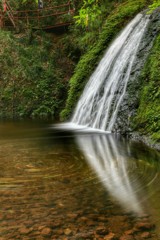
(113, 24)
(147, 119)
(154, 5)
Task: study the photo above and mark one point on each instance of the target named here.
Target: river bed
(73, 185)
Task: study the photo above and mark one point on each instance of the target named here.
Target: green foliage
(154, 5)
(32, 80)
(92, 13)
(113, 24)
(88, 14)
(24, 1)
(148, 114)
(83, 40)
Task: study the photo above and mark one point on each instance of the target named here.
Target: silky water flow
(100, 102)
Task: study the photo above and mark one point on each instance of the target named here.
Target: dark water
(60, 185)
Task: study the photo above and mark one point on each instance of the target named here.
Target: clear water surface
(57, 184)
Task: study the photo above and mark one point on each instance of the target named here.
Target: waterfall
(102, 97)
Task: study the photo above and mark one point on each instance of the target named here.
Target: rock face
(131, 99)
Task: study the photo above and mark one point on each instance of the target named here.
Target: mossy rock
(147, 119)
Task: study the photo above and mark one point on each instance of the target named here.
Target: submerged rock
(145, 235)
(46, 231)
(110, 236)
(144, 226)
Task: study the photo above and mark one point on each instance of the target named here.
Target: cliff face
(147, 117)
(140, 108)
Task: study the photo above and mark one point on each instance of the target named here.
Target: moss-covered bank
(147, 120)
(113, 24)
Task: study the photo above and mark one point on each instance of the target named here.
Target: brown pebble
(130, 232)
(85, 236)
(59, 231)
(56, 224)
(83, 219)
(40, 228)
(67, 231)
(46, 231)
(24, 230)
(90, 223)
(126, 237)
(144, 226)
(103, 219)
(72, 215)
(102, 230)
(145, 235)
(110, 236)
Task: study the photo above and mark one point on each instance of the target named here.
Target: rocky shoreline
(136, 136)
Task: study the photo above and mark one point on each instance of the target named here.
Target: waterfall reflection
(105, 156)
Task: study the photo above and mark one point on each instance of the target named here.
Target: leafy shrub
(33, 82)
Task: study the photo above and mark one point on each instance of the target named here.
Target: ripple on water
(50, 190)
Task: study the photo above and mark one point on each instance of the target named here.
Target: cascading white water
(100, 102)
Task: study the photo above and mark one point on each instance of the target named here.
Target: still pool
(62, 185)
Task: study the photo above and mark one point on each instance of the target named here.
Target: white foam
(69, 126)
